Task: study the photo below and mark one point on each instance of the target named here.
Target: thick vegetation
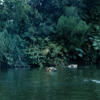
(44, 32)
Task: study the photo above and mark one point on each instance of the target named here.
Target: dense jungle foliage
(49, 32)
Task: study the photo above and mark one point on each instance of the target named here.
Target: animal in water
(73, 66)
(51, 69)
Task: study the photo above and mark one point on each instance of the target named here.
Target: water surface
(35, 84)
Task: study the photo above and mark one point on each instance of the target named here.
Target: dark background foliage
(49, 32)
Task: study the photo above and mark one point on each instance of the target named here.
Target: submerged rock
(73, 66)
(51, 69)
(22, 66)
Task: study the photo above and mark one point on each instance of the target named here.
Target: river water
(37, 84)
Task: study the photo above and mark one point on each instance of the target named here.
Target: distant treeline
(49, 32)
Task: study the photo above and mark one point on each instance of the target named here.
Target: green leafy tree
(73, 30)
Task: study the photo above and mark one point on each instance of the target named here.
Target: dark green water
(35, 84)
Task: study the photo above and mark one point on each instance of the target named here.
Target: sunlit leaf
(80, 55)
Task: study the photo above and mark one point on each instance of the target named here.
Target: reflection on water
(65, 84)
(96, 81)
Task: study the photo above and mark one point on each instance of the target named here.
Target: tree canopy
(46, 32)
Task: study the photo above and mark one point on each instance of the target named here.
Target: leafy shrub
(35, 55)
